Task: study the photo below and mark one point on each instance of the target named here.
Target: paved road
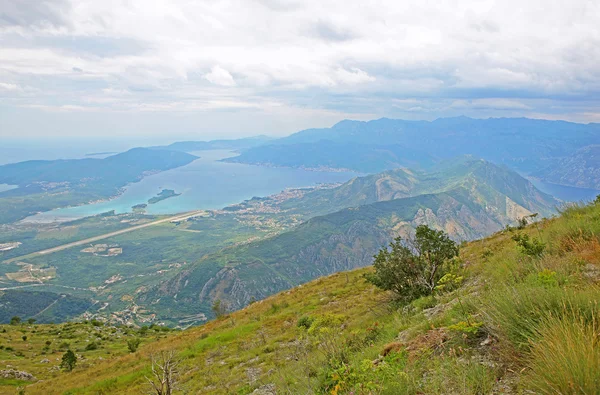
(178, 217)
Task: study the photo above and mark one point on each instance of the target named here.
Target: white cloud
(351, 58)
(9, 87)
(220, 76)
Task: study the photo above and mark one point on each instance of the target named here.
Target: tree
(133, 344)
(69, 360)
(165, 373)
(16, 320)
(219, 308)
(31, 321)
(412, 267)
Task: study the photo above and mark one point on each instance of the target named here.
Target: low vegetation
(501, 318)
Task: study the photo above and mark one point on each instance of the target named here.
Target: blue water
(568, 194)
(205, 183)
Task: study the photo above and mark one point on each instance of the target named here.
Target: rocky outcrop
(16, 374)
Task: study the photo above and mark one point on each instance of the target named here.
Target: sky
(171, 69)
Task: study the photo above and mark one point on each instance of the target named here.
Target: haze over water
(205, 183)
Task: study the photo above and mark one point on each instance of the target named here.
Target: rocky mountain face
(582, 169)
(472, 199)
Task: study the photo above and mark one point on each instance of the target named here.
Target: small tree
(31, 321)
(412, 267)
(219, 308)
(165, 373)
(69, 360)
(16, 320)
(133, 344)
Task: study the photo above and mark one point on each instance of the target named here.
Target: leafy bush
(133, 344)
(91, 346)
(529, 246)
(468, 327)
(411, 268)
(305, 322)
(547, 278)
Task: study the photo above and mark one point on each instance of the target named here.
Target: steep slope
(582, 169)
(523, 144)
(514, 324)
(474, 203)
(45, 185)
(445, 176)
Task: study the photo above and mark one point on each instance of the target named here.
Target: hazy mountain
(190, 146)
(322, 154)
(523, 144)
(478, 199)
(582, 169)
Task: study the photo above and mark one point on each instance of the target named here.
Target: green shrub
(467, 327)
(411, 268)
(91, 346)
(305, 322)
(529, 246)
(133, 344)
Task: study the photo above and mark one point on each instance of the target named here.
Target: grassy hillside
(519, 320)
(48, 184)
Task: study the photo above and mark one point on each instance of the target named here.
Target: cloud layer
(275, 66)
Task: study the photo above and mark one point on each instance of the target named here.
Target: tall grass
(566, 358)
(517, 313)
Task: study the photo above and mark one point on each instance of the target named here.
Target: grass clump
(566, 357)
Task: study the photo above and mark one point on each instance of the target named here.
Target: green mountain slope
(473, 203)
(403, 182)
(513, 324)
(45, 185)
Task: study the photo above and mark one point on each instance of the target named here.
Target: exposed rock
(267, 389)
(439, 309)
(253, 374)
(16, 374)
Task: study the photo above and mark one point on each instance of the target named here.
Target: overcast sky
(205, 69)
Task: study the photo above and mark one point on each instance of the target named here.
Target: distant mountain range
(468, 198)
(525, 145)
(235, 144)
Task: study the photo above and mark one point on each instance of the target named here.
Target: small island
(164, 194)
(139, 208)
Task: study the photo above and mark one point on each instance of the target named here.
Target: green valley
(173, 272)
(510, 323)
